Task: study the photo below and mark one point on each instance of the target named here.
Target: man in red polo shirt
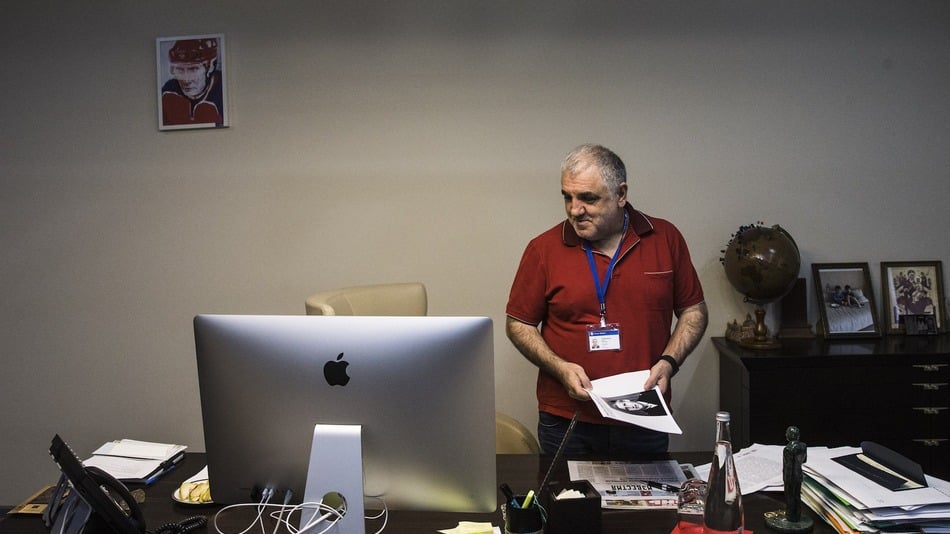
(595, 296)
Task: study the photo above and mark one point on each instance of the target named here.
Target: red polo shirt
(554, 288)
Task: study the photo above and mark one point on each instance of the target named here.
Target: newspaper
(622, 397)
(633, 485)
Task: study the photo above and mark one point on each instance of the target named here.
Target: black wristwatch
(673, 363)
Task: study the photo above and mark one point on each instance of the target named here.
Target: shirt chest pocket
(652, 290)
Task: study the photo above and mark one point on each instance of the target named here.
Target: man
(595, 296)
(194, 94)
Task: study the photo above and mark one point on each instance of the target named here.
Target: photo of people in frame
(912, 288)
(191, 83)
(845, 300)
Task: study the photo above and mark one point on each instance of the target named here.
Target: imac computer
(420, 391)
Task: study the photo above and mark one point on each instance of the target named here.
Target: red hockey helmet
(193, 51)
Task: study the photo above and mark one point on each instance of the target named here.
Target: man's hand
(660, 375)
(574, 379)
(690, 326)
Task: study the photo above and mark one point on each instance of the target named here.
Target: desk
(522, 472)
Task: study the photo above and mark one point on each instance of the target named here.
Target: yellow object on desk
(197, 492)
(471, 527)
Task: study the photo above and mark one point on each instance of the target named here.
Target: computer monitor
(421, 389)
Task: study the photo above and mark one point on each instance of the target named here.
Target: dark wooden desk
(521, 472)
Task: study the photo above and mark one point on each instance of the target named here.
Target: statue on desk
(791, 519)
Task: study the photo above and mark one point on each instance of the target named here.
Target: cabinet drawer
(929, 371)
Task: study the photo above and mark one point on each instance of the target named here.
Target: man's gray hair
(612, 169)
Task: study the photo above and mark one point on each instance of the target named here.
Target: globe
(762, 263)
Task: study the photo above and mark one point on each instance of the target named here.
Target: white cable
(282, 515)
(260, 510)
(384, 513)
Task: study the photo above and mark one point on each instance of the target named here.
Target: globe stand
(761, 339)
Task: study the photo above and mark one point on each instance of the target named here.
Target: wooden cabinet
(894, 391)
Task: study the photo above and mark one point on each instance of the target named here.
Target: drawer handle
(931, 386)
(933, 442)
(930, 367)
(930, 410)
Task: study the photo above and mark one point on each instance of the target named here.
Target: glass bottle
(723, 506)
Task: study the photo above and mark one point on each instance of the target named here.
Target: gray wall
(421, 141)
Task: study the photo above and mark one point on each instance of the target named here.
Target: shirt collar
(640, 225)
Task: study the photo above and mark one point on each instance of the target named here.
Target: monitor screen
(421, 389)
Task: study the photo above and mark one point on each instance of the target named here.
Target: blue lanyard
(601, 287)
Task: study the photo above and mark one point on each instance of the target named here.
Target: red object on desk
(685, 527)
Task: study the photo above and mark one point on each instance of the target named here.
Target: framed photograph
(845, 300)
(912, 288)
(192, 90)
(920, 325)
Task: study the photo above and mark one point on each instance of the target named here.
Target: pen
(527, 499)
(509, 495)
(662, 486)
(156, 476)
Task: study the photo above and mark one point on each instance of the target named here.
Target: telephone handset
(94, 495)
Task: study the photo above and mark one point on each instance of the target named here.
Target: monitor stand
(336, 466)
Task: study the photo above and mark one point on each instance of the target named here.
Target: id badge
(606, 337)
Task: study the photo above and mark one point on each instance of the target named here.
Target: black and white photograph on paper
(641, 403)
(845, 300)
(623, 398)
(912, 288)
(192, 90)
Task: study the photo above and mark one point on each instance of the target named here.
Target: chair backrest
(410, 299)
(512, 437)
(404, 299)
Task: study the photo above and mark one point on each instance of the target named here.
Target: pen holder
(572, 516)
(523, 520)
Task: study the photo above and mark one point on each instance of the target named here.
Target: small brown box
(580, 515)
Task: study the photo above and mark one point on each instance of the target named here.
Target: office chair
(410, 299)
(380, 299)
(512, 437)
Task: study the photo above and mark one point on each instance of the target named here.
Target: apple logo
(335, 371)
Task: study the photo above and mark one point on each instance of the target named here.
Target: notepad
(136, 461)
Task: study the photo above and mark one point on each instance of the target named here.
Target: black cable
(183, 526)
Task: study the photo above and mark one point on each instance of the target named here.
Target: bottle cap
(722, 416)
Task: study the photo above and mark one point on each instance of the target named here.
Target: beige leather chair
(512, 437)
(379, 299)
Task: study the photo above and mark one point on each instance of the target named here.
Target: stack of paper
(134, 461)
(852, 503)
(758, 466)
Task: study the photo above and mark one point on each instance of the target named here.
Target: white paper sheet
(647, 409)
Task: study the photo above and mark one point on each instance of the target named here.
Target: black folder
(909, 474)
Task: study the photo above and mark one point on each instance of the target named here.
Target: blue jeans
(593, 439)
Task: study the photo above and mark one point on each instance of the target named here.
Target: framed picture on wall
(912, 288)
(845, 300)
(192, 89)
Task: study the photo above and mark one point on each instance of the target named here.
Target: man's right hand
(574, 379)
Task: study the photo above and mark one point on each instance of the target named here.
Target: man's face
(192, 77)
(595, 212)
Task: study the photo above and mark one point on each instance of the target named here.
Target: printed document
(633, 485)
(622, 397)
